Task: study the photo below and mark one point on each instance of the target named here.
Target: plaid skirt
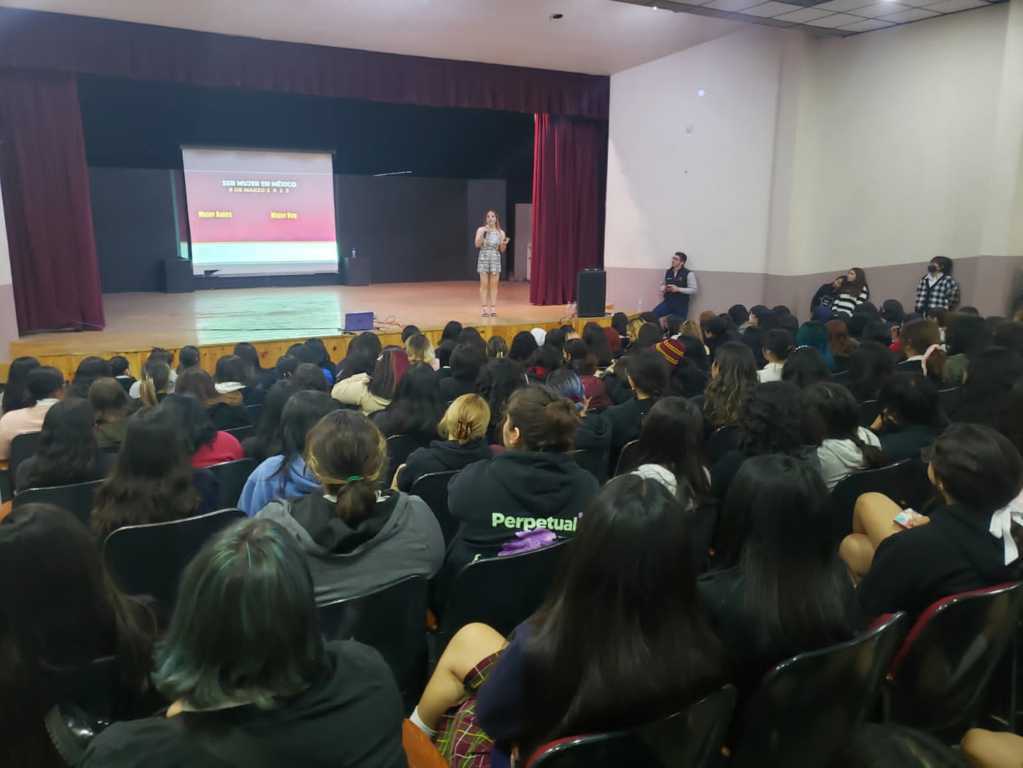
(489, 261)
(460, 739)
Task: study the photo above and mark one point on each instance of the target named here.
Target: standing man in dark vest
(679, 285)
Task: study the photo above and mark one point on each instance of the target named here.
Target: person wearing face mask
(937, 289)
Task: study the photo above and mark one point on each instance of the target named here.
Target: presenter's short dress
(490, 257)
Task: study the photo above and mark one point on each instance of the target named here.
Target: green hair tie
(353, 478)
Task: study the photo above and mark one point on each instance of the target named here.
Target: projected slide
(260, 212)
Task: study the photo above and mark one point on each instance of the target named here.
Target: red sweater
(223, 447)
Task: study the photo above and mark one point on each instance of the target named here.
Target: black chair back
(594, 462)
(255, 412)
(939, 678)
(75, 498)
(391, 619)
(22, 447)
(807, 708)
(500, 591)
(94, 686)
(950, 398)
(904, 482)
(869, 411)
(689, 739)
(433, 489)
(240, 433)
(149, 559)
(721, 441)
(399, 448)
(231, 477)
(628, 459)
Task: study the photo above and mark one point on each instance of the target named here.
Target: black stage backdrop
(413, 227)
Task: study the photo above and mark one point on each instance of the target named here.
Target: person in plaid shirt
(937, 289)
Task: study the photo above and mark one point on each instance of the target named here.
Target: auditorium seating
(399, 448)
(807, 707)
(628, 459)
(22, 447)
(938, 678)
(75, 498)
(240, 433)
(231, 476)
(689, 739)
(433, 489)
(594, 462)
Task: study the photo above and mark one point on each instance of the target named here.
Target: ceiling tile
(732, 5)
(841, 5)
(770, 9)
(804, 15)
(882, 8)
(951, 6)
(913, 14)
(834, 20)
(866, 25)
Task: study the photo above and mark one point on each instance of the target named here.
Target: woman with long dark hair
(984, 398)
(654, 654)
(853, 292)
(831, 421)
(206, 445)
(733, 376)
(497, 381)
(840, 344)
(805, 366)
(188, 358)
(869, 367)
(266, 440)
(232, 375)
(970, 539)
(286, 476)
(417, 406)
(965, 337)
(357, 536)
(782, 589)
(374, 393)
(362, 355)
(151, 481)
(90, 369)
(67, 451)
(15, 395)
(250, 678)
(225, 410)
(112, 408)
(467, 358)
(911, 416)
(523, 347)
(671, 448)
(596, 341)
(59, 611)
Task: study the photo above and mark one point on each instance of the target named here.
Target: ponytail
(934, 362)
(545, 420)
(355, 499)
(347, 454)
(872, 456)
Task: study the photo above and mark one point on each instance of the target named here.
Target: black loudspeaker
(177, 276)
(591, 293)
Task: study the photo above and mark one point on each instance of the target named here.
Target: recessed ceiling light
(701, 92)
(557, 16)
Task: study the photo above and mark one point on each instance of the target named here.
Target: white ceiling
(596, 36)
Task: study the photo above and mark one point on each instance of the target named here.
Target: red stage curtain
(82, 45)
(46, 197)
(569, 182)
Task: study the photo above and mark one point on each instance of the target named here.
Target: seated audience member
(689, 376)
(547, 359)
(408, 332)
(740, 317)
(363, 352)
(593, 433)
(119, 371)
(783, 589)
(356, 536)
(985, 393)
(466, 361)
(597, 343)
(310, 376)
(497, 348)
(968, 540)
(15, 394)
(646, 337)
(840, 344)
(825, 295)
(263, 378)
(910, 417)
(921, 343)
(90, 369)
(188, 358)
(694, 329)
(372, 394)
(204, 442)
(831, 421)
(718, 331)
(44, 387)
(804, 367)
(464, 429)
(523, 347)
(285, 367)
(892, 312)
(319, 356)
(417, 406)
(59, 612)
(156, 355)
(594, 388)
(967, 336)
(733, 376)
(876, 331)
(420, 351)
(555, 675)
(815, 336)
(777, 348)
(496, 383)
(286, 475)
(255, 671)
(266, 440)
(620, 322)
(112, 408)
(151, 482)
(225, 410)
(533, 484)
(232, 375)
(648, 376)
(770, 422)
(67, 451)
(156, 383)
(869, 367)
(672, 326)
(448, 340)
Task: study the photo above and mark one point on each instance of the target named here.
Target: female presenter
(492, 242)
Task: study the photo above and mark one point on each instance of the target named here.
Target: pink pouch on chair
(527, 541)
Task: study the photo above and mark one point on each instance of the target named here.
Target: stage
(275, 318)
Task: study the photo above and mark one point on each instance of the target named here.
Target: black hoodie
(953, 553)
(441, 456)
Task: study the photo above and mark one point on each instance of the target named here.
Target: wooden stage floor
(273, 318)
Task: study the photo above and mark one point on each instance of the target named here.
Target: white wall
(683, 169)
